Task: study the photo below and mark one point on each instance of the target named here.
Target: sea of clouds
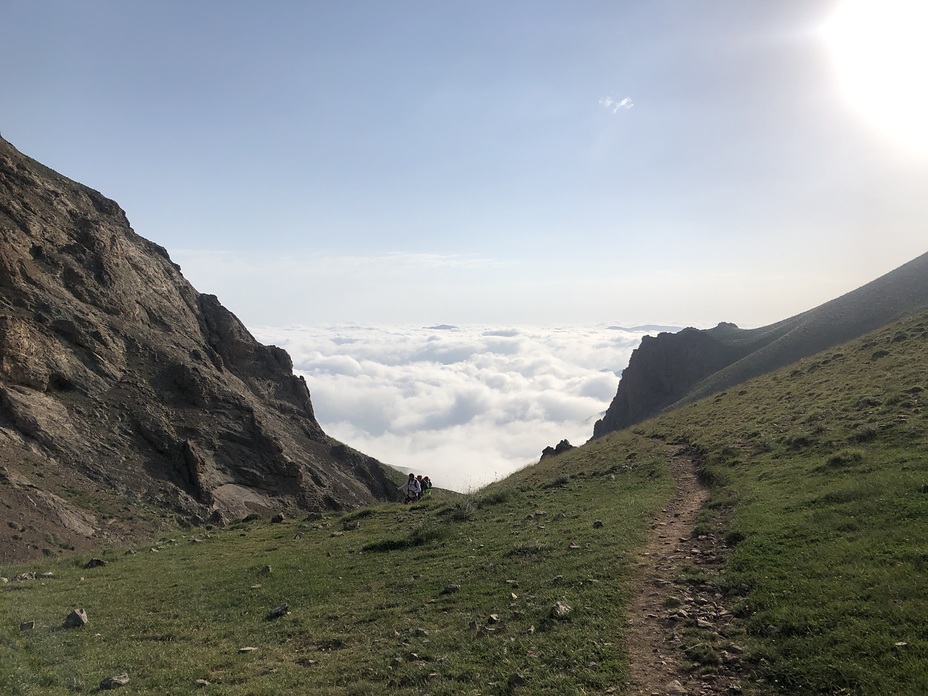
(465, 405)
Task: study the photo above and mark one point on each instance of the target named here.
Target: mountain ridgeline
(678, 368)
(123, 389)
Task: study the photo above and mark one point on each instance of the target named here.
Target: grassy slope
(819, 474)
(357, 616)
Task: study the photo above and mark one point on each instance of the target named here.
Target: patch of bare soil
(679, 639)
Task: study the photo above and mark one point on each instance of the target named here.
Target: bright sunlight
(881, 53)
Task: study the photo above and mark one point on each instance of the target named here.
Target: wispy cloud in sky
(464, 405)
(616, 105)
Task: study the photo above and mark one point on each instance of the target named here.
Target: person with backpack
(412, 488)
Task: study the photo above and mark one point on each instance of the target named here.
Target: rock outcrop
(125, 392)
(559, 448)
(677, 368)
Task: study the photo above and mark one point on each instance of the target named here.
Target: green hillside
(818, 507)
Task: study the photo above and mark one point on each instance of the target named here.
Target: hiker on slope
(412, 488)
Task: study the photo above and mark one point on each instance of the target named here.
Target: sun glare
(880, 49)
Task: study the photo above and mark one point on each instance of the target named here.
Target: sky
(477, 161)
(345, 174)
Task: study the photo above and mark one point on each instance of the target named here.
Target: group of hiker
(416, 487)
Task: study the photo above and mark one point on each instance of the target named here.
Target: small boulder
(450, 589)
(561, 611)
(278, 518)
(115, 681)
(95, 563)
(75, 619)
(278, 611)
(27, 625)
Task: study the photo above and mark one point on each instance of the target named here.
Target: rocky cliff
(124, 392)
(673, 369)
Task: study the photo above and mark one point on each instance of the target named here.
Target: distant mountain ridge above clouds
(672, 369)
(125, 393)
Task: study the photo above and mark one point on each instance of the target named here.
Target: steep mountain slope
(122, 386)
(673, 369)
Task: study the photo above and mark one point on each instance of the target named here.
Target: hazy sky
(471, 161)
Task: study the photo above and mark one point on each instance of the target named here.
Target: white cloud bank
(464, 405)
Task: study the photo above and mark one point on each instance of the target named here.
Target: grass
(819, 480)
(369, 609)
(827, 515)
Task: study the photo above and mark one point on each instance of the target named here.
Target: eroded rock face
(660, 371)
(122, 386)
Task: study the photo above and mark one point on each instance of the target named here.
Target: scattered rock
(278, 611)
(450, 589)
(75, 619)
(278, 518)
(493, 619)
(48, 575)
(4, 581)
(422, 633)
(350, 526)
(266, 570)
(560, 448)
(675, 688)
(95, 563)
(200, 682)
(247, 649)
(27, 625)
(115, 681)
(598, 524)
(23, 577)
(560, 611)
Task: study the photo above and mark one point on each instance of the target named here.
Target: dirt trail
(658, 664)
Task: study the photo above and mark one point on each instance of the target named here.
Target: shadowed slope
(673, 369)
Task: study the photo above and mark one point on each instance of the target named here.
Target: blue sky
(474, 162)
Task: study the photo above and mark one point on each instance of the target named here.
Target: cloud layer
(464, 405)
